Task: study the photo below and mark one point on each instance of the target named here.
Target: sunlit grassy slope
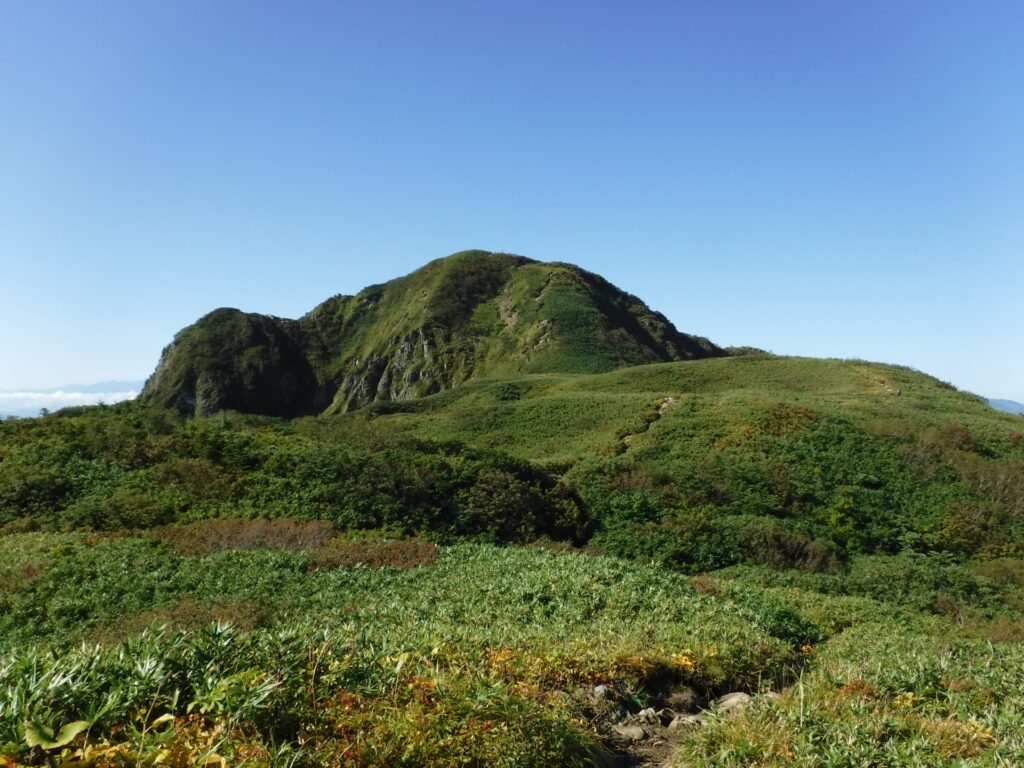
(859, 456)
(460, 659)
(564, 418)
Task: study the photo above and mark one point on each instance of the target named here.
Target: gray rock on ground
(684, 723)
(631, 732)
(733, 702)
(649, 717)
(602, 692)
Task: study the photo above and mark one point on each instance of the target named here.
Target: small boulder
(649, 716)
(733, 702)
(607, 704)
(684, 723)
(631, 732)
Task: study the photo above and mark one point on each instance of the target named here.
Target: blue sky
(825, 179)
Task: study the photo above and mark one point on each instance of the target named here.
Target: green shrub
(775, 618)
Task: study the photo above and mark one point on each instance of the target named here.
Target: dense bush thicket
(132, 467)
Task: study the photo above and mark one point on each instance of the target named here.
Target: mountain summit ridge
(469, 315)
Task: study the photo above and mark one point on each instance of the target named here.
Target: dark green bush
(775, 618)
(693, 540)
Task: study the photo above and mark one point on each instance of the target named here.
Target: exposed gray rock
(648, 717)
(405, 369)
(631, 732)
(733, 702)
(684, 723)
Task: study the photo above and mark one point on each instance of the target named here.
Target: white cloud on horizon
(30, 403)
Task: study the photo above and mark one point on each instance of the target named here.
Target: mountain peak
(468, 315)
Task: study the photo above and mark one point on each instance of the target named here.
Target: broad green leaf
(37, 734)
(41, 735)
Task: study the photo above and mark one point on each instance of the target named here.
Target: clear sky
(841, 179)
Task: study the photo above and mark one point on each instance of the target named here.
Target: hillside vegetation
(246, 587)
(497, 513)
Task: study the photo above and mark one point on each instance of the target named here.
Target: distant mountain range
(1008, 406)
(29, 402)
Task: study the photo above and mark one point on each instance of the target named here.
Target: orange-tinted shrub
(402, 554)
(181, 614)
(209, 536)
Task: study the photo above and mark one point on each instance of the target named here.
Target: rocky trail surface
(647, 738)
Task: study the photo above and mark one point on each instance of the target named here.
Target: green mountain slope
(468, 315)
(783, 461)
(851, 529)
(701, 464)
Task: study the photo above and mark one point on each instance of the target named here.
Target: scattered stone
(733, 702)
(631, 732)
(608, 704)
(684, 723)
(649, 716)
(645, 738)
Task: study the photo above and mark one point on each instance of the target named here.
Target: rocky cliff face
(237, 361)
(407, 368)
(471, 314)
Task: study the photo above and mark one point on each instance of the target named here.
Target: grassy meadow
(443, 581)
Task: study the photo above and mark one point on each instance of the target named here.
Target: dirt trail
(663, 405)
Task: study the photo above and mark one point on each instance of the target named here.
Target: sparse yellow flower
(905, 700)
(683, 661)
